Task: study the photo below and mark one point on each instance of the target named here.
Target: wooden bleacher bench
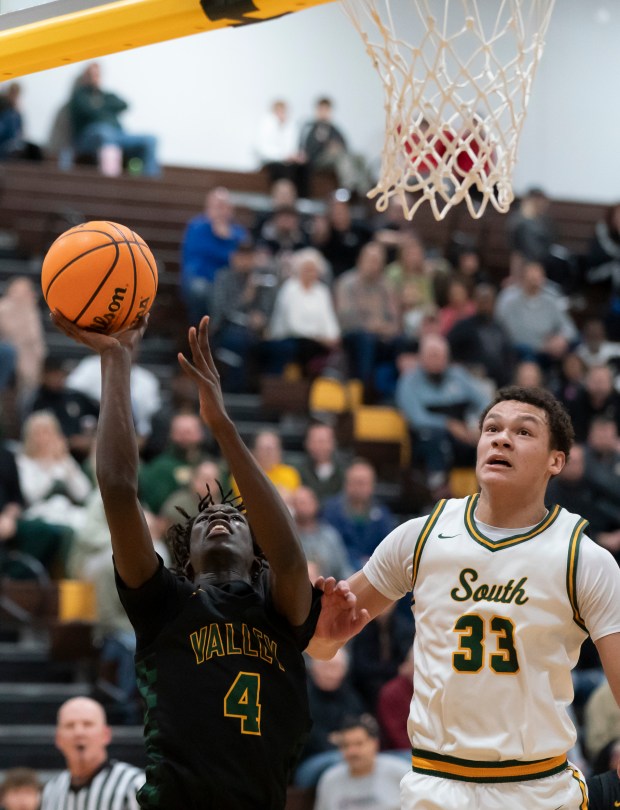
(31, 195)
(65, 609)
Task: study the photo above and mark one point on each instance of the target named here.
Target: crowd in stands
(86, 127)
(351, 295)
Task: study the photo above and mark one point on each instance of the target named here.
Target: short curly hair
(178, 536)
(561, 433)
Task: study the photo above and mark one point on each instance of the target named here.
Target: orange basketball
(100, 275)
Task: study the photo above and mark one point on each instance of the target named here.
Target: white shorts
(560, 791)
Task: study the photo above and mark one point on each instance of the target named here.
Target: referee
(91, 780)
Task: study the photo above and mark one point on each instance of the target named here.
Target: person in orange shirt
(267, 450)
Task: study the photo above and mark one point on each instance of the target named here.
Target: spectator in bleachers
(358, 514)
(595, 349)
(531, 231)
(13, 145)
(83, 737)
(77, 413)
(97, 130)
(53, 484)
(576, 488)
(243, 297)
(480, 342)
(465, 261)
(411, 268)
(338, 234)
(393, 705)
(332, 697)
(173, 468)
(321, 542)
(321, 469)
(378, 651)
(283, 233)
(458, 306)
(570, 378)
(21, 325)
(441, 403)
(368, 316)
(303, 327)
(209, 240)
(410, 277)
(323, 146)
(391, 228)
(603, 471)
(204, 478)
(145, 390)
(277, 144)
(528, 374)
(536, 320)
(602, 265)
(598, 397)
(39, 541)
(604, 443)
(366, 778)
(267, 450)
(601, 720)
(20, 790)
(282, 194)
(532, 238)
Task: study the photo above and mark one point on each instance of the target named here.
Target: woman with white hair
(304, 327)
(52, 482)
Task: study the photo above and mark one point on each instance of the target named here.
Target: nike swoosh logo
(446, 536)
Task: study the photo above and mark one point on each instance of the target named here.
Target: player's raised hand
(99, 341)
(340, 617)
(204, 373)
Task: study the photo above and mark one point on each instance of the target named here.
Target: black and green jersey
(223, 682)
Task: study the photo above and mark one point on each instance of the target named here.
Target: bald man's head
(83, 735)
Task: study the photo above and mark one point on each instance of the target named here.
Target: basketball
(100, 275)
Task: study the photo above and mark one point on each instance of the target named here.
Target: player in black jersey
(219, 649)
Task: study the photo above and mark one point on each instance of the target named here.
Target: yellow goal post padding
(120, 26)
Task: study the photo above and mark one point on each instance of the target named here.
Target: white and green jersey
(500, 617)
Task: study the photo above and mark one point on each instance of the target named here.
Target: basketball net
(457, 76)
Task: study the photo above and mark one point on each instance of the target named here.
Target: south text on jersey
(508, 592)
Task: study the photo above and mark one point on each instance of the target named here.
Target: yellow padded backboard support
(119, 26)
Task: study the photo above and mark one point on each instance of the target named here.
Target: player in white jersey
(504, 593)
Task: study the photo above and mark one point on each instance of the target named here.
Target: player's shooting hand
(97, 341)
(204, 373)
(340, 618)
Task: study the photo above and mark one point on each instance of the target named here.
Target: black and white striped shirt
(112, 788)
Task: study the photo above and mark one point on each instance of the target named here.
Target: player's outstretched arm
(609, 651)
(268, 516)
(117, 451)
(347, 607)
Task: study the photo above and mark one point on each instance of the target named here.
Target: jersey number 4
(243, 701)
(472, 637)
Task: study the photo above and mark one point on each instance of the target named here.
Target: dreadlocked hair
(178, 536)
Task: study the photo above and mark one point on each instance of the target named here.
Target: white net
(457, 76)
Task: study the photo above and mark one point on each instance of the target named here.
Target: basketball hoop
(457, 76)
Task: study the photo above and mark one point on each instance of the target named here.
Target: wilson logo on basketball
(104, 321)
